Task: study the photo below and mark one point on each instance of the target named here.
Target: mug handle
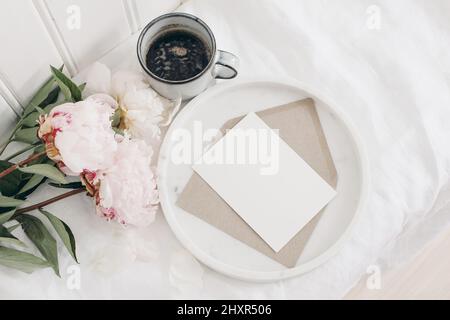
(227, 65)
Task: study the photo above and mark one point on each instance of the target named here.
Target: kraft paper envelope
(299, 126)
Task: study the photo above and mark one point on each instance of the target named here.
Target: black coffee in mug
(177, 55)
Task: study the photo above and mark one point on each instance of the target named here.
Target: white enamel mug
(222, 64)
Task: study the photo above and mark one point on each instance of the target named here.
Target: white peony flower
(126, 191)
(78, 136)
(143, 111)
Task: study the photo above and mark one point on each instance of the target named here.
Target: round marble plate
(226, 254)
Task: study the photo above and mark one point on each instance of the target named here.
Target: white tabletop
(393, 81)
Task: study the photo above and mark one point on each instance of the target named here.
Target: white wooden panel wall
(36, 33)
(103, 25)
(7, 118)
(27, 49)
(147, 10)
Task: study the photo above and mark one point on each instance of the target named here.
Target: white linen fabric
(387, 63)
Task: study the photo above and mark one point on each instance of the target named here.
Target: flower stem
(50, 201)
(22, 163)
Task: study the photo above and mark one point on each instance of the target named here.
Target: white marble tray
(222, 252)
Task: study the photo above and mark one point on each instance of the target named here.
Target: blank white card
(268, 184)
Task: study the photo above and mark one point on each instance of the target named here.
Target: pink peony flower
(79, 137)
(126, 191)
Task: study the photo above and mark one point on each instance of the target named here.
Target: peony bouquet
(97, 138)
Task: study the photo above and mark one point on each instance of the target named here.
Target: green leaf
(72, 185)
(5, 217)
(66, 91)
(12, 241)
(14, 227)
(82, 87)
(28, 135)
(7, 202)
(40, 149)
(5, 233)
(69, 89)
(7, 238)
(42, 239)
(115, 118)
(118, 131)
(47, 94)
(52, 98)
(10, 184)
(40, 110)
(45, 170)
(40, 96)
(22, 261)
(32, 119)
(64, 232)
(35, 181)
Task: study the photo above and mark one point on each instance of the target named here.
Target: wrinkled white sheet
(393, 82)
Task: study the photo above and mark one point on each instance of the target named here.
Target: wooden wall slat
(103, 25)
(27, 49)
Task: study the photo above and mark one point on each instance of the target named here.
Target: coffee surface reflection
(177, 55)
